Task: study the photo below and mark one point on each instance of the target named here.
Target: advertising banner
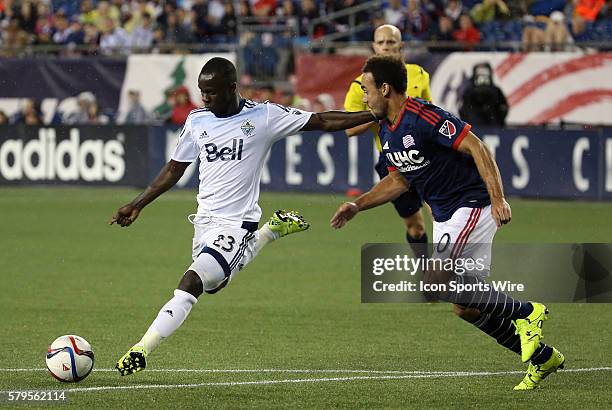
(86, 155)
(533, 162)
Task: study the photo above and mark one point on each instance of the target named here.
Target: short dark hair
(387, 69)
(221, 66)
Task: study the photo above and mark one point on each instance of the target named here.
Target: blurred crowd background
(119, 26)
(266, 33)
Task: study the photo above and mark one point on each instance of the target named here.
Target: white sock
(266, 235)
(170, 317)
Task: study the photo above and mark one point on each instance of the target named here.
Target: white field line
(408, 375)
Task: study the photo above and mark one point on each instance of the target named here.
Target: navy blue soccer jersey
(422, 146)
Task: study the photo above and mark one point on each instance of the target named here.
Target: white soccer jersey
(232, 151)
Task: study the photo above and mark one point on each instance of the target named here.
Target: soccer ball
(70, 358)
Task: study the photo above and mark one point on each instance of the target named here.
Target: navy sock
(524, 311)
(541, 354)
(501, 329)
(419, 246)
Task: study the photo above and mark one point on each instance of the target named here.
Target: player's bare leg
(172, 315)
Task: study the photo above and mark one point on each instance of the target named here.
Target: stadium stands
(123, 26)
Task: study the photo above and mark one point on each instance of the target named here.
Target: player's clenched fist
(125, 215)
(345, 213)
(501, 212)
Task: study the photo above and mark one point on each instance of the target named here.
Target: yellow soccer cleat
(538, 372)
(284, 223)
(530, 330)
(133, 361)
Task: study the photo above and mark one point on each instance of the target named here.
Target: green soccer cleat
(133, 361)
(538, 372)
(285, 223)
(530, 330)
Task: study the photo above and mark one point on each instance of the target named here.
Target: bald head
(220, 68)
(387, 40)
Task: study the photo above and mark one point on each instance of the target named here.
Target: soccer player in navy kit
(453, 171)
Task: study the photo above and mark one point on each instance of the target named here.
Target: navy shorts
(408, 203)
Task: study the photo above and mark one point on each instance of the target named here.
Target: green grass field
(296, 307)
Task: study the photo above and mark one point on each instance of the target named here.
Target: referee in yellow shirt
(388, 40)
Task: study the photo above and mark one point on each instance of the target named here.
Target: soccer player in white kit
(232, 137)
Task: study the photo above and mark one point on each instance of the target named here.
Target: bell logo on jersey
(448, 129)
(214, 153)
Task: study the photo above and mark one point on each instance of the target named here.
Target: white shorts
(231, 248)
(467, 235)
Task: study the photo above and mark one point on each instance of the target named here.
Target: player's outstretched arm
(167, 178)
(389, 188)
(487, 168)
(338, 120)
(360, 129)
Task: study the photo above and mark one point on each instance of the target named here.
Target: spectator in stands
(453, 10)
(182, 106)
(556, 36)
(584, 14)
(216, 11)
(87, 14)
(308, 13)
(394, 14)
(3, 118)
(202, 26)
(77, 35)
(13, 38)
(417, 22)
(173, 32)
(443, 33)
(228, 24)
(264, 8)
(588, 9)
(68, 7)
(483, 103)
(91, 37)
(136, 14)
(490, 10)
(136, 113)
(244, 10)
(94, 116)
(81, 115)
(43, 30)
(26, 13)
(62, 29)
(467, 34)
(29, 114)
(113, 39)
(539, 31)
(103, 12)
(142, 36)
